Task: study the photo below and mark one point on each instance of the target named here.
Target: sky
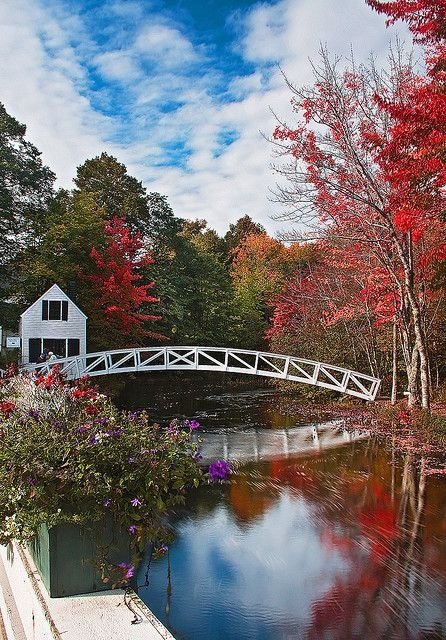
(183, 92)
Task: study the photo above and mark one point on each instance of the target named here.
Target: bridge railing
(185, 358)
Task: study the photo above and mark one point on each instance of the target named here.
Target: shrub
(67, 455)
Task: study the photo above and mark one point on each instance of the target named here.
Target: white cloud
(118, 65)
(46, 58)
(44, 89)
(165, 44)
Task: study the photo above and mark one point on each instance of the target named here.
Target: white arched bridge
(272, 365)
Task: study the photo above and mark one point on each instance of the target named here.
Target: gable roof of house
(54, 287)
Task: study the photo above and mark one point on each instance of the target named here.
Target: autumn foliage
(118, 292)
(368, 173)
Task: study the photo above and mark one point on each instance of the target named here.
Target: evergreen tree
(26, 186)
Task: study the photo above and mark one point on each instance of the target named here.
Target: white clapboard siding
(32, 325)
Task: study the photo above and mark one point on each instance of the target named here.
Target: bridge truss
(183, 358)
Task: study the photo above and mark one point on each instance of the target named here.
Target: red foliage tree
(347, 180)
(117, 291)
(413, 158)
(346, 297)
(426, 18)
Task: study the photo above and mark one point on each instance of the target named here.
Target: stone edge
(29, 572)
(151, 617)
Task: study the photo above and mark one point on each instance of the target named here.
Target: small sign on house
(13, 342)
(53, 323)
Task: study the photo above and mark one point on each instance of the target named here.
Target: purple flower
(197, 456)
(194, 424)
(219, 470)
(103, 420)
(135, 502)
(128, 570)
(133, 528)
(33, 413)
(117, 432)
(32, 481)
(131, 459)
(94, 439)
(106, 502)
(172, 428)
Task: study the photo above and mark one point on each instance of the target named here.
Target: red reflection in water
(374, 515)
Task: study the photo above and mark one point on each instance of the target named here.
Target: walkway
(30, 614)
(258, 363)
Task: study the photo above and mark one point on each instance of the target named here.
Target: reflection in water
(214, 406)
(309, 541)
(266, 444)
(342, 545)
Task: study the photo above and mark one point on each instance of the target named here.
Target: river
(319, 534)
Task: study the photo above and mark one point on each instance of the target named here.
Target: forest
(360, 278)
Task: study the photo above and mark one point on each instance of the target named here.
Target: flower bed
(69, 457)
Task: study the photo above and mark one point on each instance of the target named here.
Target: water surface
(332, 537)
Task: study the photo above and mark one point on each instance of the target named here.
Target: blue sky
(179, 90)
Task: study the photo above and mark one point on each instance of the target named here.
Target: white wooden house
(53, 323)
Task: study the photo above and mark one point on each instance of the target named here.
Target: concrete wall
(23, 611)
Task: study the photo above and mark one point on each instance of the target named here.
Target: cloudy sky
(178, 90)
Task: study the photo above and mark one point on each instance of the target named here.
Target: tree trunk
(412, 379)
(393, 394)
(420, 346)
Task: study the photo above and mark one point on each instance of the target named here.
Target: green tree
(114, 190)
(194, 285)
(26, 187)
(206, 299)
(245, 226)
(204, 239)
(73, 224)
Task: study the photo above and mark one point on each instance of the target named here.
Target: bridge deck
(185, 358)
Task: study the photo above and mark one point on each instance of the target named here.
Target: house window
(61, 347)
(57, 345)
(55, 310)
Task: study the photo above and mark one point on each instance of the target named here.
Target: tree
(414, 158)
(238, 231)
(205, 291)
(114, 190)
(161, 224)
(118, 297)
(26, 187)
(336, 309)
(260, 267)
(204, 239)
(339, 185)
(426, 18)
(72, 225)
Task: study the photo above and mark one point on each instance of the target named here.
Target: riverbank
(414, 432)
